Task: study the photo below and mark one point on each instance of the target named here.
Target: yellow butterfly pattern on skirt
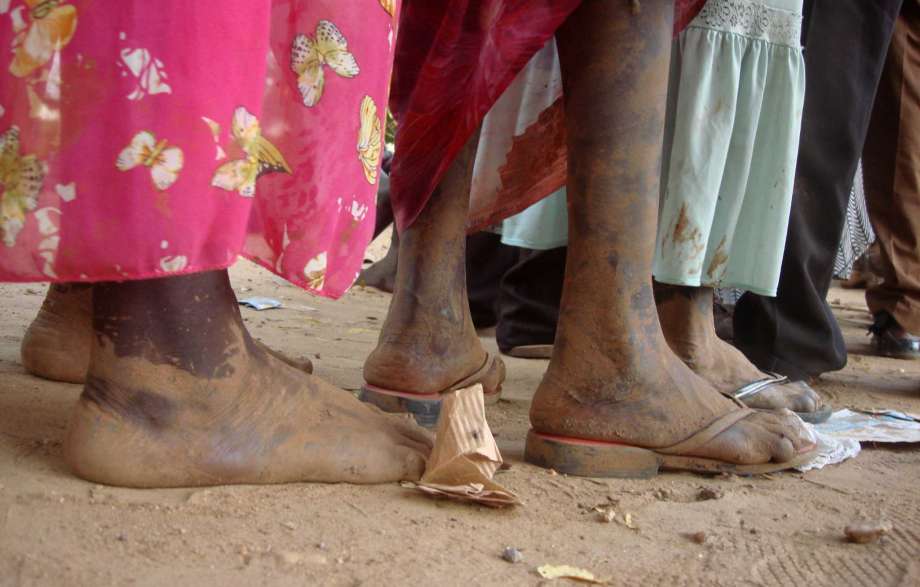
(49, 28)
(165, 162)
(309, 54)
(262, 157)
(21, 179)
(369, 139)
(389, 6)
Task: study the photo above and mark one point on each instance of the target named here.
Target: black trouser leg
(846, 43)
(487, 260)
(529, 303)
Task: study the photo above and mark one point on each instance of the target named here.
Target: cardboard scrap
(465, 456)
(568, 572)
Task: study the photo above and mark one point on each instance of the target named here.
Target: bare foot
(688, 324)
(185, 398)
(57, 344)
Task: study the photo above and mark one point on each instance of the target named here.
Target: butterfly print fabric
(136, 145)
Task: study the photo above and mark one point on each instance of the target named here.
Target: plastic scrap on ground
(840, 436)
(259, 303)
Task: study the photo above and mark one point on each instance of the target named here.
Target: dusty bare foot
(56, 344)
(183, 397)
(688, 324)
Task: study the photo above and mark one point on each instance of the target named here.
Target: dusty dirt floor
(782, 529)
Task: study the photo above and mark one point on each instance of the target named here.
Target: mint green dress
(734, 115)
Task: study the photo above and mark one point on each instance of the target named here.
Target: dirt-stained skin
(56, 344)
(428, 341)
(178, 393)
(687, 319)
(612, 375)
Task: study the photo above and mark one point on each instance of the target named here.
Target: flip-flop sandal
(593, 458)
(532, 351)
(426, 407)
(751, 389)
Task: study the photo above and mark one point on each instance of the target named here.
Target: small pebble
(707, 493)
(866, 532)
(697, 537)
(512, 555)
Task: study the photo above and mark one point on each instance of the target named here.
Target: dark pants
(846, 43)
(891, 164)
(517, 290)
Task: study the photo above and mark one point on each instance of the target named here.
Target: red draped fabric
(454, 59)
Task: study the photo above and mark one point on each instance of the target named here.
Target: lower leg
(179, 394)
(384, 215)
(56, 345)
(688, 323)
(428, 341)
(612, 376)
(382, 274)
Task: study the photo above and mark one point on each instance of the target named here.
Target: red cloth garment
(454, 59)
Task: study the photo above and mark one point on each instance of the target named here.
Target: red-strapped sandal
(593, 458)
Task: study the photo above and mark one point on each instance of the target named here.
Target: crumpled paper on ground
(465, 456)
(831, 450)
(839, 437)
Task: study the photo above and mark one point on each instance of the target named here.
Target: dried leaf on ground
(568, 572)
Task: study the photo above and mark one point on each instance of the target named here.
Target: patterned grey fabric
(857, 233)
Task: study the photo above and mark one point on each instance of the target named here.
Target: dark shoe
(890, 340)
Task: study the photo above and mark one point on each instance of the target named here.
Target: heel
(425, 409)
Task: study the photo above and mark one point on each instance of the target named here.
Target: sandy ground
(777, 530)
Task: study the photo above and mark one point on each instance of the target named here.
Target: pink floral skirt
(146, 139)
